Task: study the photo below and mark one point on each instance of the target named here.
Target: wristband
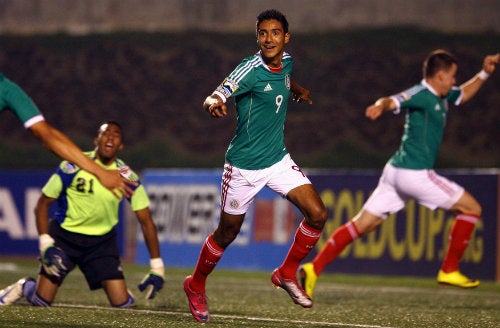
(157, 266)
(483, 75)
(44, 241)
(221, 95)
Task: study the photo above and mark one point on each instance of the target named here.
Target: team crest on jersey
(234, 203)
(127, 173)
(68, 168)
(228, 87)
(287, 81)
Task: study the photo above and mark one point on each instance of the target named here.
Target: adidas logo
(268, 88)
(437, 107)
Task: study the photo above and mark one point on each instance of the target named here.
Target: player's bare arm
(380, 106)
(214, 105)
(300, 94)
(472, 86)
(42, 214)
(149, 231)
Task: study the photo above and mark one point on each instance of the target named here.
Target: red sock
(459, 239)
(339, 239)
(210, 254)
(304, 240)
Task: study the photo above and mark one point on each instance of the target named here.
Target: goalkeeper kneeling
(83, 231)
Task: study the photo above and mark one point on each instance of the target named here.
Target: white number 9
(279, 101)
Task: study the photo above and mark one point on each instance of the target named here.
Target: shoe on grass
(455, 278)
(292, 287)
(197, 302)
(14, 292)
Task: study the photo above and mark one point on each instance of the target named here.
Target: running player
(83, 230)
(13, 98)
(257, 157)
(409, 172)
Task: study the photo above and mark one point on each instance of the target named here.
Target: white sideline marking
(222, 316)
(8, 266)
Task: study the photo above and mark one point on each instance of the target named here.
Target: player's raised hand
(218, 110)
(215, 106)
(373, 112)
(383, 104)
(490, 63)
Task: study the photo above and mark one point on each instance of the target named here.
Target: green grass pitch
(247, 299)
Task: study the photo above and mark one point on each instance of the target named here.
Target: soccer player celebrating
(83, 230)
(257, 157)
(13, 98)
(409, 172)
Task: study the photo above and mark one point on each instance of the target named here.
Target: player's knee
(473, 208)
(477, 210)
(467, 204)
(317, 216)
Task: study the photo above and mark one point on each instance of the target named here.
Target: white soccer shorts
(239, 187)
(397, 185)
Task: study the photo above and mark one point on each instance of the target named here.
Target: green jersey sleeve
(13, 98)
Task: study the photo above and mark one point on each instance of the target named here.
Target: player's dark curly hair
(271, 14)
(438, 60)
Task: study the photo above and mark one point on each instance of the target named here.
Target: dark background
(154, 85)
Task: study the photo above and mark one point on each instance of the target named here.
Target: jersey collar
(428, 86)
(271, 69)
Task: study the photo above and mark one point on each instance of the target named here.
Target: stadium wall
(104, 16)
(185, 208)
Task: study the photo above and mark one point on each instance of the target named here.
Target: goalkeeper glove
(153, 281)
(53, 258)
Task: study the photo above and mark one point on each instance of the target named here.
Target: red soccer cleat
(292, 287)
(197, 302)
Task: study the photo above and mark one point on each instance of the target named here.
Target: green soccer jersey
(85, 206)
(13, 98)
(424, 125)
(261, 98)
